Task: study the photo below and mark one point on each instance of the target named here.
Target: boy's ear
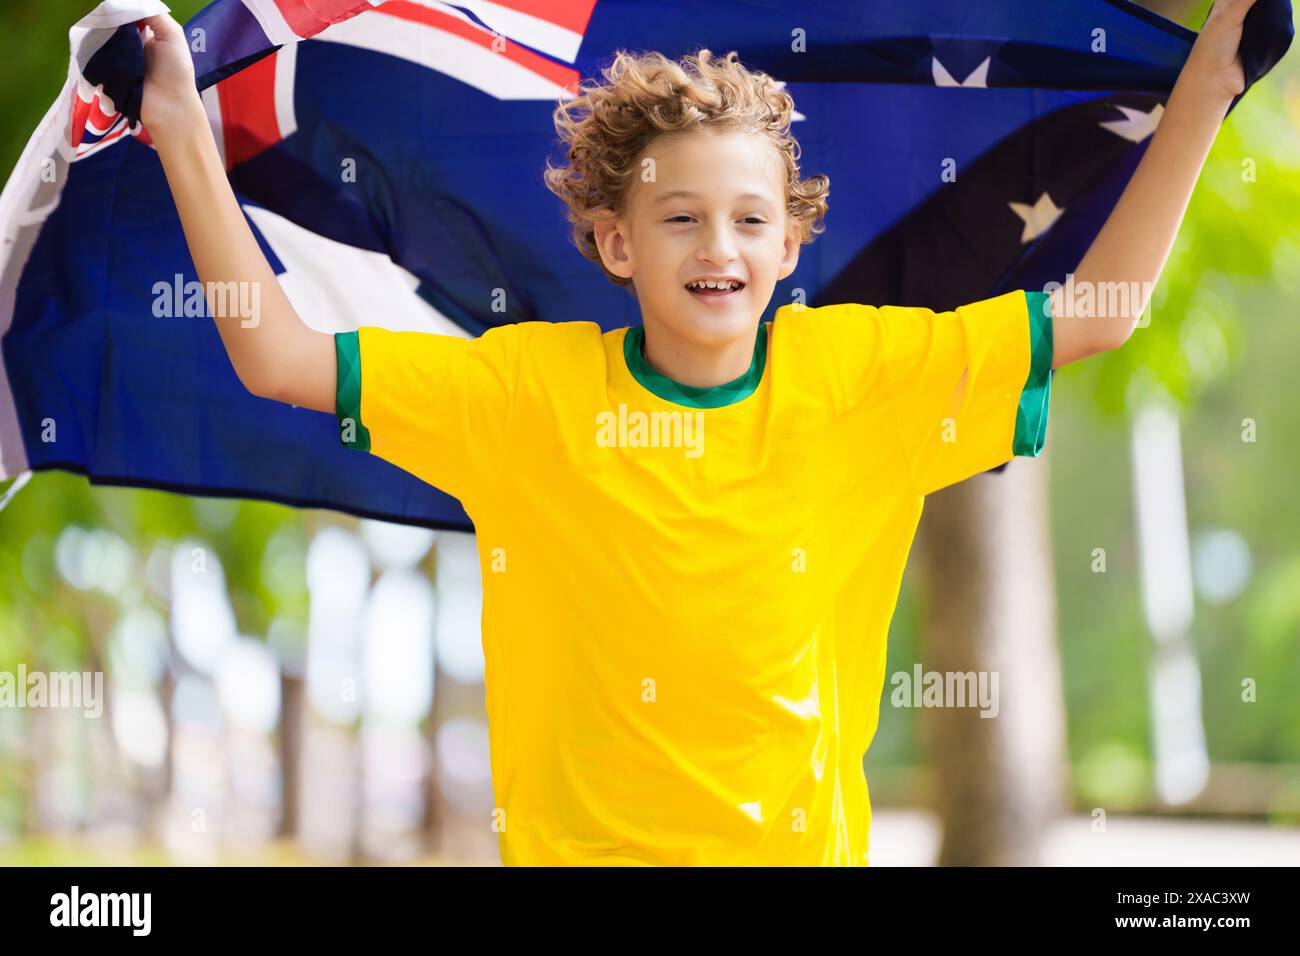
(790, 258)
(612, 244)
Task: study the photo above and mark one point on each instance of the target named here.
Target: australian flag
(389, 154)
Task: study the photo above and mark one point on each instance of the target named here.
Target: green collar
(708, 396)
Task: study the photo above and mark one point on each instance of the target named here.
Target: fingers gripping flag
(388, 157)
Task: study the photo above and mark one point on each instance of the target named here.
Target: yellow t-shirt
(685, 609)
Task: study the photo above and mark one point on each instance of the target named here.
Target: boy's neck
(689, 363)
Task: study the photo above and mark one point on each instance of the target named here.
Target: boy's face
(707, 204)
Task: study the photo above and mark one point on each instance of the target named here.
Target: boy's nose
(717, 247)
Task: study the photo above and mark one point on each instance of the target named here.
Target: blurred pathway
(911, 838)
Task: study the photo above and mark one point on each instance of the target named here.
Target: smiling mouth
(705, 292)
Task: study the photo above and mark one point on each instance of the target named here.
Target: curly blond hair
(608, 125)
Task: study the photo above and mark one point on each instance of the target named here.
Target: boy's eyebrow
(688, 194)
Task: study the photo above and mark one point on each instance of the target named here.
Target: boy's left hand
(1214, 65)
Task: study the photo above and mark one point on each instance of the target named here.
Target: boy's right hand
(170, 99)
(274, 353)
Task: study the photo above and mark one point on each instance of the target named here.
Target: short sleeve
(972, 386)
(437, 406)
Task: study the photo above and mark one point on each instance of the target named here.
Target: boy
(691, 532)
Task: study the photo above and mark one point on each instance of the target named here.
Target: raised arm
(273, 352)
(1135, 241)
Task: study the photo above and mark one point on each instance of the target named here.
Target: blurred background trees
(984, 562)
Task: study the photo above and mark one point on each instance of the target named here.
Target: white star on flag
(1136, 125)
(1038, 218)
(979, 76)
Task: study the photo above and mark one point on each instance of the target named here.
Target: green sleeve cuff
(1035, 397)
(347, 397)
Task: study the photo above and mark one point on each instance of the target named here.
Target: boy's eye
(750, 220)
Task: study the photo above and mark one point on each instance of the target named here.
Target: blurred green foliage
(34, 62)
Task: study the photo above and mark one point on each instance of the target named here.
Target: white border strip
(272, 21)
(275, 26)
(533, 31)
(286, 67)
(436, 49)
(336, 287)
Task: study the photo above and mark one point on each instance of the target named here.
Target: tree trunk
(293, 712)
(986, 592)
(432, 823)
